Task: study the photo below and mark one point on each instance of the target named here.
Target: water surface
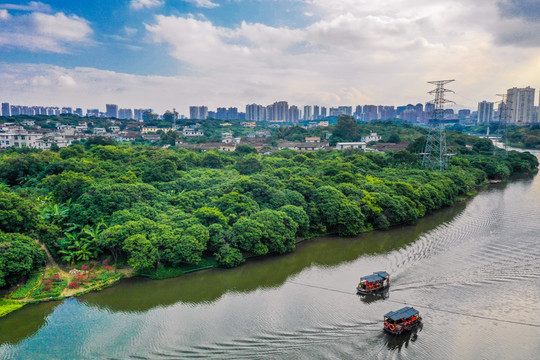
(479, 258)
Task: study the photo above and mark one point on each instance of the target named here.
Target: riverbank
(54, 283)
(57, 284)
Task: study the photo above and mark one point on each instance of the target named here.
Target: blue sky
(172, 53)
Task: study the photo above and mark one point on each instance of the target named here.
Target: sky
(165, 54)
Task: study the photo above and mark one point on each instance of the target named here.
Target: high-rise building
(139, 113)
(125, 114)
(40, 110)
(193, 112)
(449, 114)
(16, 110)
(387, 112)
(6, 110)
(78, 111)
(316, 112)
(255, 112)
(345, 110)
(520, 102)
(221, 113)
(485, 112)
(198, 112)
(92, 112)
(429, 110)
(294, 113)
(308, 113)
(409, 116)
(369, 113)
(464, 114)
(111, 110)
(341, 110)
(232, 113)
(67, 110)
(278, 111)
(323, 112)
(358, 112)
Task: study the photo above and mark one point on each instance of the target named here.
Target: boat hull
(361, 291)
(403, 329)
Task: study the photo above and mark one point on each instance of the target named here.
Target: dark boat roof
(403, 313)
(376, 276)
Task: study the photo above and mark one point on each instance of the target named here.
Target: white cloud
(32, 6)
(44, 32)
(357, 50)
(145, 4)
(129, 31)
(354, 52)
(4, 14)
(209, 4)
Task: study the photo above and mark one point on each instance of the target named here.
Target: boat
(405, 319)
(378, 281)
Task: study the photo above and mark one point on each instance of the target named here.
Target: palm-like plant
(83, 250)
(93, 234)
(66, 247)
(55, 213)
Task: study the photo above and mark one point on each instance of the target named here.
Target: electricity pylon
(434, 155)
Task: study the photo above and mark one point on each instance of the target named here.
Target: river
(473, 271)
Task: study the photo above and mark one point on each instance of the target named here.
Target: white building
(520, 104)
(371, 137)
(17, 136)
(351, 145)
(485, 112)
(192, 132)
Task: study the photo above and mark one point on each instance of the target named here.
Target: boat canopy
(376, 276)
(382, 273)
(404, 313)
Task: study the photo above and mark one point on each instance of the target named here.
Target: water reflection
(138, 295)
(303, 305)
(25, 322)
(370, 298)
(397, 342)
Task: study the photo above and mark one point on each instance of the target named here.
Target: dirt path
(50, 259)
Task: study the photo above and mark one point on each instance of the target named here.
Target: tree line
(150, 207)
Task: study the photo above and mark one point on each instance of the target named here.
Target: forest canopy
(150, 207)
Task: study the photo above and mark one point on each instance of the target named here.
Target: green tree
(161, 170)
(17, 215)
(19, 256)
(248, 165)
(229, 257)
(346, 129)
(236, 204)
(394, 138)
(142, 254)
(248, 234)
(212, 160)
(279, 230)
(299, 216)
(209, 216)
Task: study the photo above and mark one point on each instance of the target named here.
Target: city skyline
(162, 54)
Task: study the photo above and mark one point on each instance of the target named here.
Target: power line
(421, 306)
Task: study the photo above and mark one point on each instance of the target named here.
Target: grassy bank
(54, 283)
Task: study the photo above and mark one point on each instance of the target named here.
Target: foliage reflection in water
(303, 305)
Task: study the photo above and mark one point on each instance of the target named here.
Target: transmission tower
(505, 112)
(434, 155)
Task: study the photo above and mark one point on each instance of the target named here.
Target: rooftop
(403, 313)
